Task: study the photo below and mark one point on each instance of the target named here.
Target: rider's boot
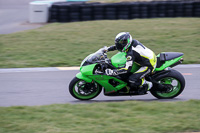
(150, 85)
(146, 86)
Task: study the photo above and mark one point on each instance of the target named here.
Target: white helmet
(123, 41)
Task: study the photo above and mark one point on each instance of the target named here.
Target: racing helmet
(123, 41)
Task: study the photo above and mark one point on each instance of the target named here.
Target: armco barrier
(80, 11)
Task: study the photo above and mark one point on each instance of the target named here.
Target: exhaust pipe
(178, 62)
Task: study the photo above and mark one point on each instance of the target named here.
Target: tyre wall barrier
(80, 11)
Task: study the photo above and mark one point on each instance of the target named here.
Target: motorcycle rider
(138, 53)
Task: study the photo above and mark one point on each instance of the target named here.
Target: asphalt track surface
(44, 86)
(14, 16)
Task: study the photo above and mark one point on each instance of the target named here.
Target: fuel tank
(119, 61)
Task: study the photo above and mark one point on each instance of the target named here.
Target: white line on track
(43, 69)
(68, 68)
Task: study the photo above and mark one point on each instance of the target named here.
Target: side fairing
(167, 59)
(83, 77)
(168, 64)
(103, 80)
(87, 70)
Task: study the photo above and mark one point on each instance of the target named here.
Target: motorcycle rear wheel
(174, 80)
(82, 90)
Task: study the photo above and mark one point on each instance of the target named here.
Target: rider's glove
(105, 49)
(111, 72)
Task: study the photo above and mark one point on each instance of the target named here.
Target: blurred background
(69, 31)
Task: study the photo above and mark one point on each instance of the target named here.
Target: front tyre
(82, 90)
(174, 80)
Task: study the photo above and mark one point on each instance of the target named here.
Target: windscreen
(96, 56)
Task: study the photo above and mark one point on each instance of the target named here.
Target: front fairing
(93, 58)
(89, 63)
(87, 72)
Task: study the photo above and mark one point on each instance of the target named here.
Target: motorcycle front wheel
(82, 90)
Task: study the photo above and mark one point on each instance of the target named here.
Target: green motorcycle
(89, 82)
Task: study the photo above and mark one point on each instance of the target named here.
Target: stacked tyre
(153, 10)
(123, 10)
(196, 9)
(86, 11)
(53, 13)
(144, 13)
(179, 11)
(74, 13)
(161, 8)
(135, 10)
(63, 12)
(98, 11)
(79, 11)
(188, 9)
(110, 11)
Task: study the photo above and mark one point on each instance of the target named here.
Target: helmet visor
(121, 44)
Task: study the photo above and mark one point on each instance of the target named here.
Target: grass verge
(116, 117)
(67, 44)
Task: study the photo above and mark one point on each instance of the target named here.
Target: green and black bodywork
(88, 83)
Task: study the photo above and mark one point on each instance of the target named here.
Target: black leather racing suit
(142, 56)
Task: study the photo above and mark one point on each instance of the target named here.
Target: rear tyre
(174, 80)
(82, 90)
